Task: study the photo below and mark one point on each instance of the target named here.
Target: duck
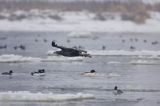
(123, 40)
(103, 47)
(68, 41)
(40, 72)
(3, 46)
(145, 41)
(91, 73)
(7, 73)
(132, 47)
(22, 47)
(155, 42)
(45, 40)
(117, 91)
(36, 40)
(136, 40)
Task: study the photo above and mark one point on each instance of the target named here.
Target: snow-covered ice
(77, 22)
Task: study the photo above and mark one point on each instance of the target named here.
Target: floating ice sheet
(41, 97)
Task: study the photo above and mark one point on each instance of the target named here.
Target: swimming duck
(40, 72)
(22, 47)
(91, 73)
(117, 91)
(145, 41)
(103, 47)
(7, 73)
(132, 47)
(155, 42)
(45, 40)
(123, 40)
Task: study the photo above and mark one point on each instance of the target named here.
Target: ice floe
(22, 96)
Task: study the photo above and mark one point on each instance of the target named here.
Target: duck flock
(41, 72)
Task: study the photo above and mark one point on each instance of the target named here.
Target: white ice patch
(99, 75)
(113, 62)
(113, 75)
(11, 58)
(125, 53)
(80, 34)
(145, 62)
(51, 52)
(41, 97)
(61, 59)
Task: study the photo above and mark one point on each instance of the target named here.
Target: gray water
(140, 82)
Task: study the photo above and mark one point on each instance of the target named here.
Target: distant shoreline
(91, 16)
